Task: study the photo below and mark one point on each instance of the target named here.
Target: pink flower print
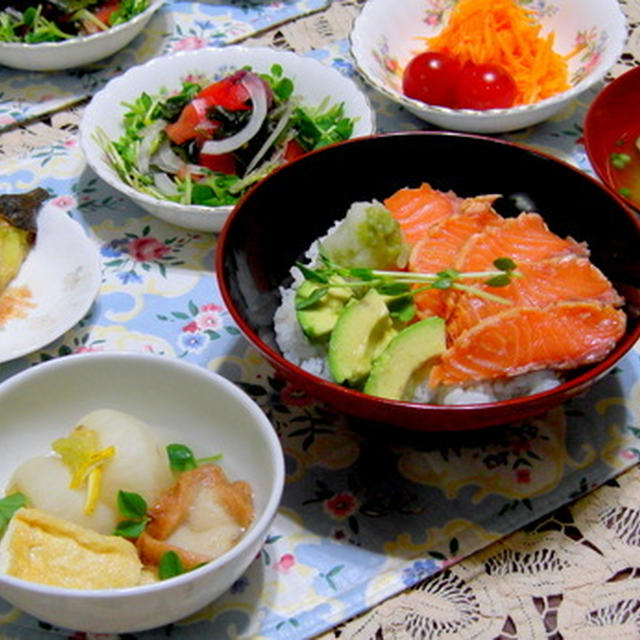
(192, 327)
(391, 64)
(208, 320)
(69, 143)
(341, 505)
(6, 120)
(85, 349)
(592, 62)
(211, 307)
(285, 563)
(146, 249)
(190, 43)
(432, 19)
(64, 202)
(523, 476)
(582, 38)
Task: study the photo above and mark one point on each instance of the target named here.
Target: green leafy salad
(59, 20)
(208, 142)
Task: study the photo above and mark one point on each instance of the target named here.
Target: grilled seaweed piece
(18, 229)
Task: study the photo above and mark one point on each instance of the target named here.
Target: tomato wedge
(228, 93)
(223, 163)
(293, 150)
(184, 128)
(104, 11)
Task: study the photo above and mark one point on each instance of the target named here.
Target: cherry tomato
(184, 128)
(431, 78)
(484, 86)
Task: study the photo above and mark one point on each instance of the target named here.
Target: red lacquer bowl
(274, 224)
(611, 125)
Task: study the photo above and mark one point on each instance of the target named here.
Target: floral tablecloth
(366, 512)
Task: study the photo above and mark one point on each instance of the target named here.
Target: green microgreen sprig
(8, 506)
(133, 507)
(169, 565)
(396, 284)
(181, 458)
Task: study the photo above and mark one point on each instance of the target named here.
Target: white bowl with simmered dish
(198, 452)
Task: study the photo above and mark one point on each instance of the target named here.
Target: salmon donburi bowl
(443, 281)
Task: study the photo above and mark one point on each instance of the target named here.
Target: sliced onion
(282, 123)
(195, 170)
(200, 106)
(149, 135)
(258, 94)
(166, 159)
(164, 184)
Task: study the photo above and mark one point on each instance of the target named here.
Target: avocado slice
(362, 331)
(317, 320)
(395, 371)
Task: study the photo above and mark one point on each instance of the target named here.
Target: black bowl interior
(275, 224)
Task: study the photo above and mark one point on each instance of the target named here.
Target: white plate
(63, 274)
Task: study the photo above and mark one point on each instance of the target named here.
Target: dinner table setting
(386, 528)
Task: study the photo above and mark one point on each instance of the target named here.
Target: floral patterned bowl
(313, 83)
(75, 52)
(384, 39)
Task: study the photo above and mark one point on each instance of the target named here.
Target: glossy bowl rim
(565, 389)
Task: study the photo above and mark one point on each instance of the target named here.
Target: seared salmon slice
(565, 278)
(439, 246)
(562, 335)
(418, 209)
(525, 237)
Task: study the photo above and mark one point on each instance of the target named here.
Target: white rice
(298, 350)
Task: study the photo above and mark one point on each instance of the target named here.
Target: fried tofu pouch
(42, 548)
(199, 517)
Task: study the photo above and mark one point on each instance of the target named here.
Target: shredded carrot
(504, 33)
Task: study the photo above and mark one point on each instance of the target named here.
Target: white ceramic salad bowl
(182, 403)
(384, 40)
(314, 82)
(75, 52)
